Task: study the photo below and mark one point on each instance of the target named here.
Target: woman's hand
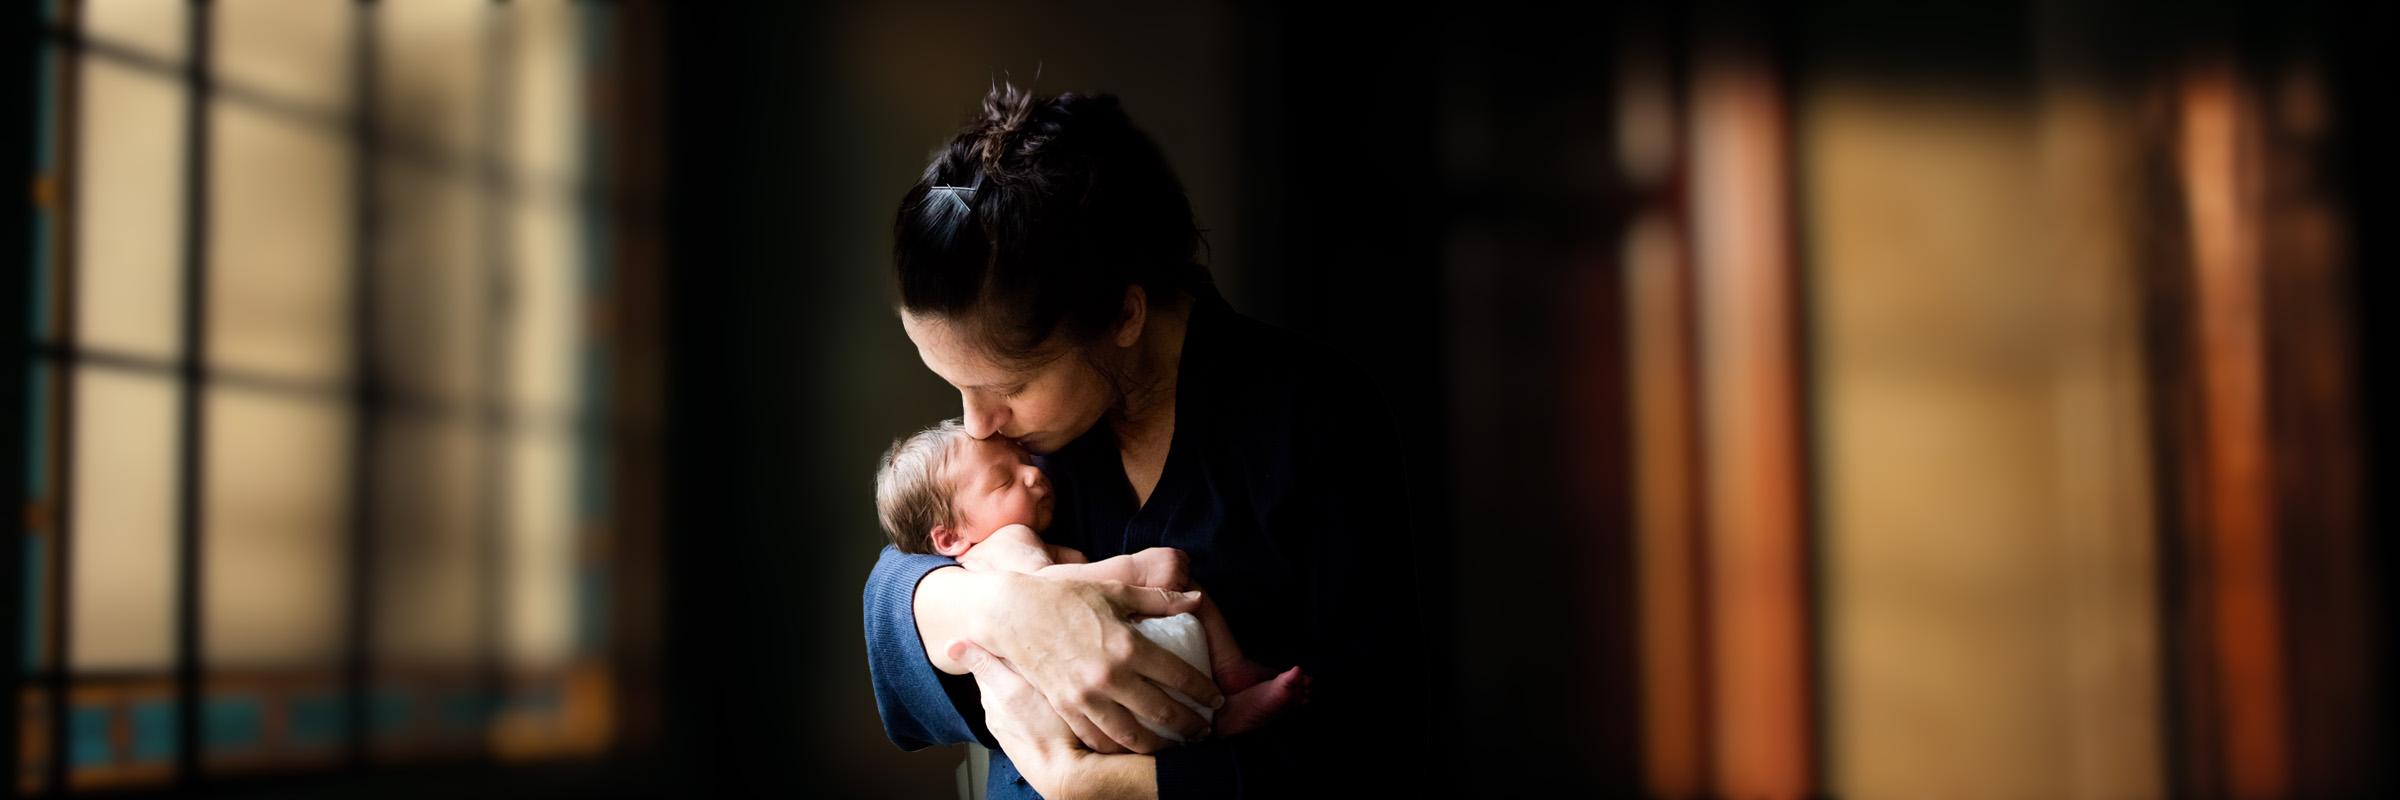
(1070, 641)
(1041, 745)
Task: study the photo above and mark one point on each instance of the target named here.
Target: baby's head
(942, 491)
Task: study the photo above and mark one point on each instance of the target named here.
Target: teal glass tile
(232, 723)
(45, 160)
(38, 315)
(45, 144)
(539, 700)
(317, 720)
(591, 610)
(465, 712)
(154, 735)
(34, 567)
(37, 431)
(593, 147)
(87, 737)
(390, 710)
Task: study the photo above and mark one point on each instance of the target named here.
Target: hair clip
(959, 196)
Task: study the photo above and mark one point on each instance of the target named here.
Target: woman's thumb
(965, 653)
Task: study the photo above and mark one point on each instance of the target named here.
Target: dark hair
(1062, 204)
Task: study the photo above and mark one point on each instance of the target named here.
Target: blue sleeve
(1364, 732)
(921, 706)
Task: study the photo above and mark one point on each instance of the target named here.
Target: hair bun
(1005, 110)
(1073, 204)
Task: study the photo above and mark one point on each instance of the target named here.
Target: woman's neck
(1145, 418)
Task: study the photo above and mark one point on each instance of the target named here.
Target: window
(326, 409)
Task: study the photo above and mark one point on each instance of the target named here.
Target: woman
(1047, 269)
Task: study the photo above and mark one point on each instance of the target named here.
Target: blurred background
(1845, 398)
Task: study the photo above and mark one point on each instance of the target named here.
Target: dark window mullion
(428, 405)
(366, 383)
(63, 375)
(496, 292)
(191, 433)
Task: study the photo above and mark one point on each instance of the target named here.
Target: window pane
(280, 252)
(276, 533)
(151, 28)
(124, 522)
(541, 561)
(428, 604)
(430, 103)
(129, 189)
(298, 52)
(543, 337)
(545, 310)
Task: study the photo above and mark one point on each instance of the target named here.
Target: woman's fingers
(1120, 725)
(1163, 667)
(1147, 702)
(983, 665)
(1090, 734)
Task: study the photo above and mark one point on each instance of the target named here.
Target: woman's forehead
(981, 454)
(951, 349)
(950, 352)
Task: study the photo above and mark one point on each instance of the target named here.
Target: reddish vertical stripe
(1748, 336)
(1668, 550)
(2237, 535)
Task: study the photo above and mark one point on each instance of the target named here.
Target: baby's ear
(948, 541)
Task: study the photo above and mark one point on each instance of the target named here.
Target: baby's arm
(1016, 548)
(1013, 548)
(1157, 567)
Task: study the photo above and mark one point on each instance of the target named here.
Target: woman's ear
(1131, 319)
(948, 541)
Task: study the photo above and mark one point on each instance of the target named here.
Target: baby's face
(994, 484)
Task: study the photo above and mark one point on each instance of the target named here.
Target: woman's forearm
(1120, 776)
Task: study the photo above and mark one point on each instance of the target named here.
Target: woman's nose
(982, 419)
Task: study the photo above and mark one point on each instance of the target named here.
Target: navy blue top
(1286, 483)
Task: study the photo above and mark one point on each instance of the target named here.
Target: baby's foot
(1236, 675)
(1252, 708)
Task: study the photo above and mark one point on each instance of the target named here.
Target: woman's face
(1041, 407)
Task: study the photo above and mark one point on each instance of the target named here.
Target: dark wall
(1395, 188)
(743, 267)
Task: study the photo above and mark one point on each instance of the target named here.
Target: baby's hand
(1163, 568)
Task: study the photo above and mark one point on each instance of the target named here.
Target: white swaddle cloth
(1182, 635)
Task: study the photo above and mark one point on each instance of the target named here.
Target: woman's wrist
(1083, 774)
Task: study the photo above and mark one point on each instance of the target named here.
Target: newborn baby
(983, 502)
